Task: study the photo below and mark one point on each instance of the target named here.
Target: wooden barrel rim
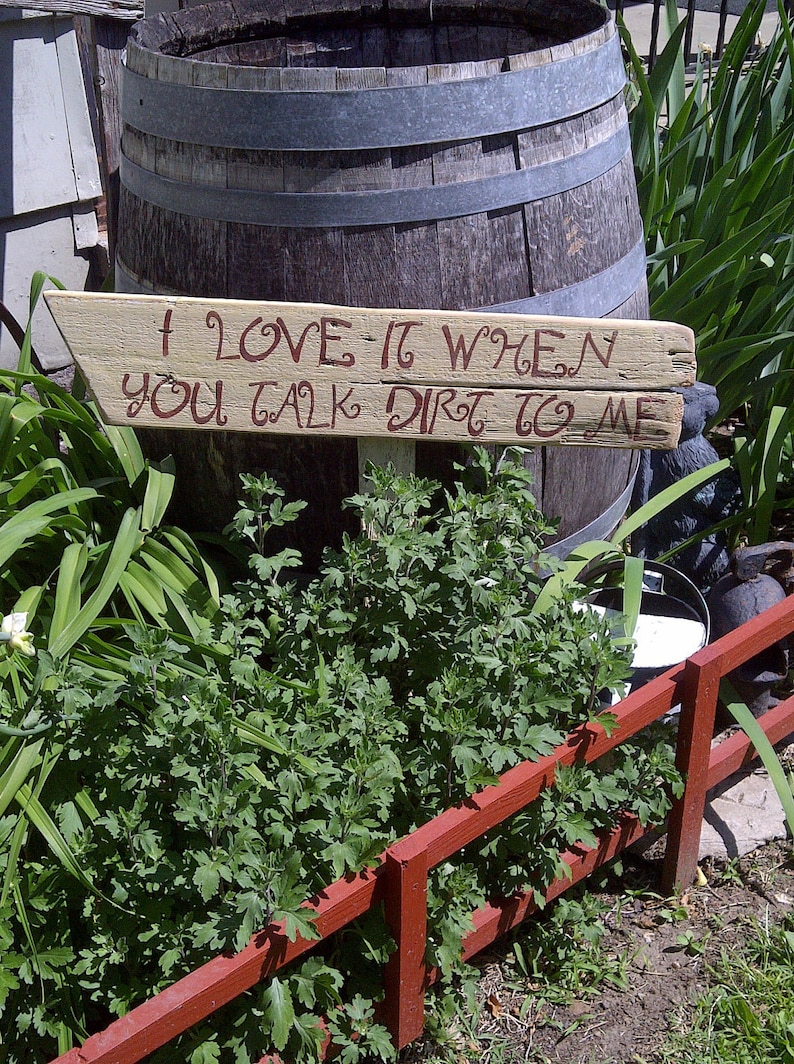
(578, 24)
(334, 118)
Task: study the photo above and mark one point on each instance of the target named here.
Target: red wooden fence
(400, 878)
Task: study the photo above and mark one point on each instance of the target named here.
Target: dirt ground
(662, 973)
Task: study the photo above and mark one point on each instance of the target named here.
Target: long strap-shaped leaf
(126, 541)
(14, 416)
(771, 762)
(159, 489)
(59, 847)
(673, 494)
(26, 357)
(570, 571)
(27, 758)
(776, 429)
(67, 592)
(128, 451)
(714, 262)
(22, 527)
(50, 469)
(633, 573)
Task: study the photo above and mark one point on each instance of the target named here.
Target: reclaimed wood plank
(122, 10)
(109, 36)
(377, 345)
(595, 419)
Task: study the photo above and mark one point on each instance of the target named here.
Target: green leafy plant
(561, 955)
(715, 171)
(715, 168)
(324, 723)
(82, 518)
(616, 549)
(83, 551)
(692, 943)
(764, 464)
(746, 1014)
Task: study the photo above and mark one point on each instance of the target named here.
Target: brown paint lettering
(443, 397)
(404, 359)
(522, 366)
(540, 348)
(175, 387)
(446, 398)
(134, 409)
(345, 359)
(291, 400)
(529, 424)
(459, 348)
(270, 326)
(262, 418)
(464, 411)
(338, 406)
(590, 342)
(424, 424)
(394, 424)
(302, 390)
(295, 400)
(166, 331)
(613, 417)
(216, 412)
(429, 402)
(295, 349)
(476, 427)
(641, 415)
(212, 320)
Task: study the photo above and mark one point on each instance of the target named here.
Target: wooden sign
(402, 374)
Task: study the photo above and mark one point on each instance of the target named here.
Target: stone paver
(741, 817)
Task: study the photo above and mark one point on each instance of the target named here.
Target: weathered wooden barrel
(422, 153)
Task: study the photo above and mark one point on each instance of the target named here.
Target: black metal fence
(725, 8)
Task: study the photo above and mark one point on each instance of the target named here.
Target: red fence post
(405, 975)
(693, 749)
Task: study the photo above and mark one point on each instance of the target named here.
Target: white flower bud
(14, 635)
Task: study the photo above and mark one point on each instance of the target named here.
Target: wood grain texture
(122, 10)
(101, 41)
(464, 249)
(417, 267)
(344, 371)
(333, 343)
(648, 420)
(383, 451)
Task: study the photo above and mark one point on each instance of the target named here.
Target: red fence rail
(400, 879)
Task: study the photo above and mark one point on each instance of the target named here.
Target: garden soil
(663, 946)
(627, 1026)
